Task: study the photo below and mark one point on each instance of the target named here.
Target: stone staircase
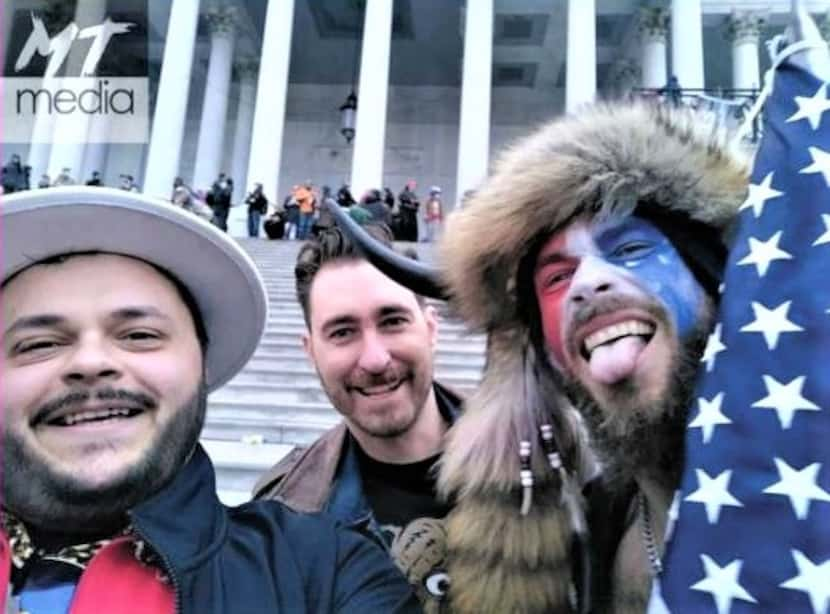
(276, 402)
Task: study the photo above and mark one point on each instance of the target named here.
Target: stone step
(306, 377)
(279, 342)
(252, 415)
(283, 330)
(296, 355)
(295, 372)
(271, 395)
(239, 465)
(283, 430)
(288, 317)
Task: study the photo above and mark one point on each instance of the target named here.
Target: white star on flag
(759, 194)
(771, 322)
(812, 579)
(825, 238)
(821, 164)
(762, 253)
(799, 485)
(713, 493)
(722, 583)
(785, 399)
(709, 416)
(811, 108)
(714, 346)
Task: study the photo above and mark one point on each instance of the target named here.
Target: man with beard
(592, 257)
(371, 341)
(113, 334)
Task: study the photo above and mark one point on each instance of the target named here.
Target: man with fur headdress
(592, 257)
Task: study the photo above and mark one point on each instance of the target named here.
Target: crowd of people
(300, 215)
(595, 257)
(305, 210)
(16, 178)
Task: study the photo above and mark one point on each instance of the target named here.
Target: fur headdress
(595, 162)
(607, 159)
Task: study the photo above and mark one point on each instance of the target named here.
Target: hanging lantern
(347, 117)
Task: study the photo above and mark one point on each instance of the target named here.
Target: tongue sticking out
(616, 360)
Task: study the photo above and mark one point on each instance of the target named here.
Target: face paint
(551, 281)
(642, 253)
(645, 252)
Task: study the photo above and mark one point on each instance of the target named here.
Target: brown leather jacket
(304, 478)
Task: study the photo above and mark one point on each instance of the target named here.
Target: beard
(648, 440)
(391, 422)
(53, 501)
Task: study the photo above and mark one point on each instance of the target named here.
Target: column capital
(221, 18)
(654, 23)
(744, 27)
(246, 68)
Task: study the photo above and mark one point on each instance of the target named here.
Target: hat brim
(222, 278)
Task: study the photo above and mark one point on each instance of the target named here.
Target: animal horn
(419, 277)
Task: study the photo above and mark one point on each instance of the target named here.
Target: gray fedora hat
(229, 292)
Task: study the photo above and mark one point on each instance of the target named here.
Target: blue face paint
(637, 246)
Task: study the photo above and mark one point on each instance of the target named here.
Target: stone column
(687, 43)
(581, 69)
(743, 30)
(272, 86)
(40, 147)
(246, 71)
(824, 27)
(476, 91)
(370, 123)
(43, 131)
(69, 138)
(171, 100)
(221, 20)
(95, 154)
(654, 26)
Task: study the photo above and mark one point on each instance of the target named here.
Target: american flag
(750, 526)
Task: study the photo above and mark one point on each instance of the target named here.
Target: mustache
(77, 397)
(611, 303)
(368, 380)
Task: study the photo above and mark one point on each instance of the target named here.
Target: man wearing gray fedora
(115, 328)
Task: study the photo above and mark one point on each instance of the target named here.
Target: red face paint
(551, 281)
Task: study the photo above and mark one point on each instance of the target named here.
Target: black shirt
(400, 493)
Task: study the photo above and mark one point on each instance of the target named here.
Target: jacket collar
(185, 519)
(303, 479)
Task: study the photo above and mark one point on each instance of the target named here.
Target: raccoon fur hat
(607, 159)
